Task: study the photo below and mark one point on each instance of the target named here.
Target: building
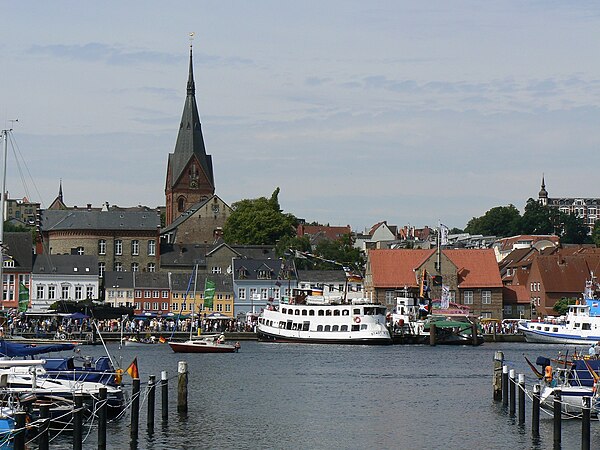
(17, 267)
(505, 246)
(190, 178)
(187, 294)
(119, 289)
(120, 240)
(63, 277)
(332, 282)
(318, 233)
(471, 275)
(21, 211)
(587, 209)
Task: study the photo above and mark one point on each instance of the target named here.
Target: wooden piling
(151, 398)
(535, 412)
(521, 379)
(474, 334)
(78, 422)
(512, 392)
(182, 387)
(497, 381)
(432, 334)
(43, 438)
(135, 410)
(102, 419)
(557, 417)
(585, 423)
(19, 436)
(164, 380)
(505, 385)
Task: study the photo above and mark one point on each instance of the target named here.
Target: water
(272, 396)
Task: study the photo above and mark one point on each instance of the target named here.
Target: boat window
(355, 328)
(364, 327)
(555, 329)
(328, 312)
(547, 329)
(585, 326)
(335, 328)
(303, 312)
(576, 324)
(291, 312)
(344, 328)
(327, 327)
(356, 311)
(319, 327)
(345, 312)
(311, 312)
(297, 312)
(283, 310)
(305, 326)
(289, 325)
(336, 312)
(321, 312)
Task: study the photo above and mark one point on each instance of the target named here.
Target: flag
(23, 297)
(162, 340)
(209, 293)
(277, 283)
(444, 231)
(132, 370)
(445, 303)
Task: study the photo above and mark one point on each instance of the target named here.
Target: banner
(209, 293)
(23, 297)
(444, 231)
(445, 303)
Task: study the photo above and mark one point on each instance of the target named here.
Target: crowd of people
(504, 327)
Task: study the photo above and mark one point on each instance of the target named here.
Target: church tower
(190, 176)
(543, 195)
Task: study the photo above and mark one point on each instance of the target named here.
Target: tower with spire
(190, 176)
(543, 195)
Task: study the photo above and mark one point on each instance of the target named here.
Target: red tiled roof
(392, 268)
(516, 294)
(332, 233)
(477, 268)
(561, 273)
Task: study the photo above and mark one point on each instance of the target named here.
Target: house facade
(16, 268)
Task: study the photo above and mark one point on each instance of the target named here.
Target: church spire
(60, 194)
(191, 86)
(543, 195)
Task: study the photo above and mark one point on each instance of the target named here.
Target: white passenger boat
(581, 324)
(326, 320)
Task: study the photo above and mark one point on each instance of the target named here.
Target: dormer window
(263, 274)
(242, 273)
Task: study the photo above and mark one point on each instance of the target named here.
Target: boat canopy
(13, 349)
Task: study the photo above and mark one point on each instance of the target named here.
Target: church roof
(189, 140)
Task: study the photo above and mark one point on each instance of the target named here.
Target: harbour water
(272, 396)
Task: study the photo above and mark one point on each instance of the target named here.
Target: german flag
(132, 370)
(162, 340)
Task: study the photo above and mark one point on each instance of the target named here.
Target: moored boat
(312, 318)
(204, 345)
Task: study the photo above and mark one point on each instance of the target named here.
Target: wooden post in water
(43, 442)
(585, 423)
(432, 334)
(535, 411)
(497, 381)
(182, 387)
(135, 410)
(474, 334)
(512, 390)
(165, 395)
(19, 436)
(151, 397)
(78, 422)
(557, 417)
(505, 385)
(521, 399)
(102, 419)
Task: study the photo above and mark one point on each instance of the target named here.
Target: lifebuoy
(357, 319)
(548, 373)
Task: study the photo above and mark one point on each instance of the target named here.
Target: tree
(288, 244)
(538, 218)
(596, 234)
(574, 230)
(258, 221)
(500, 221)
(342, 251)
(562, 306)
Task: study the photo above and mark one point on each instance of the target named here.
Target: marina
(386, 401)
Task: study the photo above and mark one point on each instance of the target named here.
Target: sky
(414, 113)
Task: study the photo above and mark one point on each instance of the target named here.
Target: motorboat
(310, 317)
(205, 345)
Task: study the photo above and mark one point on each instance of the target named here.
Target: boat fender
(118, 376)
(357, 319)
(548, 374)
(401, 322)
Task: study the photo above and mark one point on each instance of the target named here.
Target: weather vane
(191, 38)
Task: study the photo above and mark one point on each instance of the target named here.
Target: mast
(2, 203)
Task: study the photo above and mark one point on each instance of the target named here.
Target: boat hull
(196, 347)
(313, 339)
(561, 336)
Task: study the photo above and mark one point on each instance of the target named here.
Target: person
(592, 351)
(597, 349)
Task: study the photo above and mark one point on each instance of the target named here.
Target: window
(264, 274)
(138, 293)
(65, 293)
(486, 315)
(102, 247)
(135, 247)
(118, 266)
(183, 306)
(164, 306)
(227, 307)
(219, 307)
(253, 293)
(486, 297)
(101, 269)
(389, 297)
(165, 294)
(264, 293)
(175, 306)
(40, 291)
(135, 267)
(78, 292)
(147, 294)
(156, 294)
(215, 270)
(151, 267)
(89, 292)
(276, 294)
(151, 247)
(80, 251)
(118, 247)
(468, 297)
(155, 306)
(51, 292)
(242, 293)
(508, 310)
(146, 305)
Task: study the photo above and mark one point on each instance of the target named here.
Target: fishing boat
(205, 345)
(581, 324)
(310, 317)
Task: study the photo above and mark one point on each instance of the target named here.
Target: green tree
(596, 234)
(562, 306)
(287, 244)
(500, 221)
(538, 218)
(258, 221)
(574, 231)
(342, 251)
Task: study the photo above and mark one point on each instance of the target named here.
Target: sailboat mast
(2, 203)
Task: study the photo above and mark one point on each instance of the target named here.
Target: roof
(61, 220)
(322, 276)
(19, 246)
(122, 280)
(66, 264)
(328, 232)
(151, 280)
(477, 268)
(564, 273)
(184, 254)
(181, 281)
(508, 243)
(516, 294)
(252, 267)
